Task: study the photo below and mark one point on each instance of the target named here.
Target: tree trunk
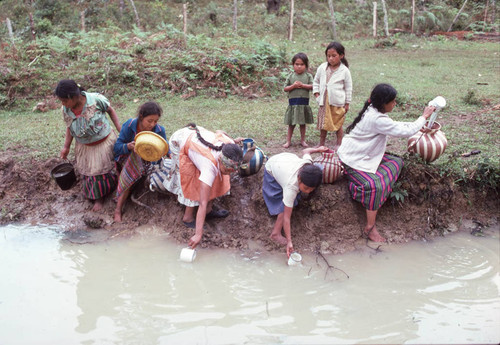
(485, 14)
(493, 12)
(82, 20)
(374, 19)
(184, 18)
(32, 26)
(458, 14)
(290, 26)
(273, 6)
(412, 15)
(122, 7)
(11, 33)
(386, 19)
(137, 21)
(235, 15)
(332, 14)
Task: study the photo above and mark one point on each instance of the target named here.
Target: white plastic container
(188, 254)
(294, 259)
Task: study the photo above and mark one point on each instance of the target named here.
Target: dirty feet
(287, 144)
(304, 144)
(118, 216)
(278, 238)
(373, 234)
(98, 204)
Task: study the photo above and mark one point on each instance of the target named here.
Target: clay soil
(328, 220)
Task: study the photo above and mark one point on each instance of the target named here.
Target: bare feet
(118, 216)
(98, 204)
(278, 238)
(374, 235)
(287, 145)
(304, 144)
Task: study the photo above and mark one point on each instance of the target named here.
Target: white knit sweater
(363, 148)
(339, 86)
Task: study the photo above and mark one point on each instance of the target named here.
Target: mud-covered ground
(329, 220)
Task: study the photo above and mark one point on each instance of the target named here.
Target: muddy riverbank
(329, 220)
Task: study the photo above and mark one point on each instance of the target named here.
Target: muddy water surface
(89, 290)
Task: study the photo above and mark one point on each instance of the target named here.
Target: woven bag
(332, 167)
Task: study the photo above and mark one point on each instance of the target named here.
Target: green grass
(419, 69)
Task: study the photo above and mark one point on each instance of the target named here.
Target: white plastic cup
(294, 259)
(188, 254)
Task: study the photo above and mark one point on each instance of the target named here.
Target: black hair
(301, 56)
(231, 151)
(310, 175)
(149, 108)
(379, 97)
(339, 48)
(68, 88)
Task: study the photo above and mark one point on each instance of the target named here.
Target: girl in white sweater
(332, 87)
(370, 171)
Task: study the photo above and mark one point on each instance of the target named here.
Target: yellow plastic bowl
(150, 146)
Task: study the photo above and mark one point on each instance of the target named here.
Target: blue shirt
(127, 135)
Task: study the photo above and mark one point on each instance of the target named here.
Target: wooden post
(184, 18)
(290, 26)
(235, 15)
(412, 14)
(374, 19)
(11, 33)
(485, 14)
(32, 26)
(137, 21)
(386, 19)
(334, 23)
(82, 20)
(458, 14)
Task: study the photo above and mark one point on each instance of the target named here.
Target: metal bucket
(64, 174)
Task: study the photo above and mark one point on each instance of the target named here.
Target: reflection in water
(136, 291)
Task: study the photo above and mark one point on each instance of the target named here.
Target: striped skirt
(132, 171)
(372, 190)
(98, 186)
(273, 195)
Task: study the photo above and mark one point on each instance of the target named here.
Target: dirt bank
(329, 220)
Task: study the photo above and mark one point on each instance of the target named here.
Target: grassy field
(465, 73)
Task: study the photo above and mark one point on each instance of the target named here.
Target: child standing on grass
(332, 88)
(298, 85)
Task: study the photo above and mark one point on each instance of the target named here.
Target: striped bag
(331, 166)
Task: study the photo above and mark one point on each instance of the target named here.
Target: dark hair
(310, 175)
(231, 151)
(68, 88)
(301, 56)
(380, 96)
(339, 48)
(149, 108)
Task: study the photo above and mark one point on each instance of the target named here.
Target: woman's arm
(125, 142)
(200, 215)
(114, 117)
(287, 228)
(67, 144)
(385, 125)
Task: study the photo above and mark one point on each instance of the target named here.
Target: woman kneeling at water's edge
(130, 165)
(285, 176)
(201, 164)
(85, 116)
(370, 171)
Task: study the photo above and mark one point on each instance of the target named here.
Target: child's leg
(303, 136)
(289, 136)
(119, 205)
(276, 233)
(322, 137)
(340, 135)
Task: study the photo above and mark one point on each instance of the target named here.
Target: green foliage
(471, 98)
(399, 193)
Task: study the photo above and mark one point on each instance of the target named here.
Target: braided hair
(380, 96)
(231, 151)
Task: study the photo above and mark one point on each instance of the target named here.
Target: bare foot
(374, 235)
(278, 238)
(118, 216)
(304, 144)
(98, 204)
(287, 145)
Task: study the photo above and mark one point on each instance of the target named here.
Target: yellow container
(150, 146)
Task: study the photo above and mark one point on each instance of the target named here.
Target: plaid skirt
(273, 195)
(98, 186)
(372, 190)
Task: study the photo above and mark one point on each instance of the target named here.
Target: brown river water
(89, 290)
